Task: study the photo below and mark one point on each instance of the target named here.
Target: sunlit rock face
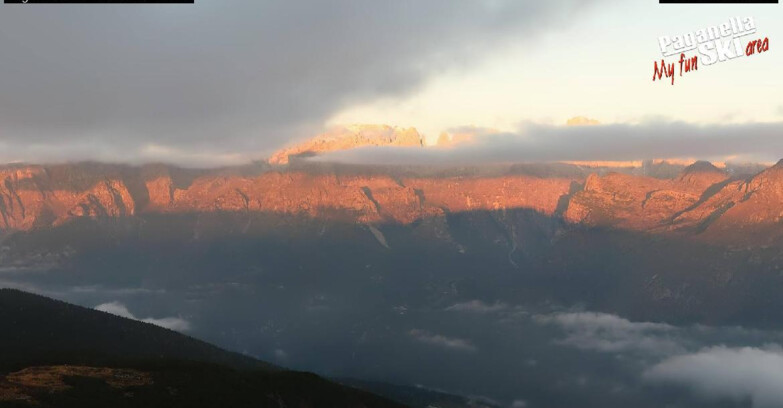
(366, 198)
(642, 203)
(350, 137)
(702, 201)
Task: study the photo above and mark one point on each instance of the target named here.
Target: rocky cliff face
(29, 196)
(755, 204)
(32, 196)
(702, 201)
(350, 137)
(642, 203)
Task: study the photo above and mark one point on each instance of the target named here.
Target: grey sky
(227, 79)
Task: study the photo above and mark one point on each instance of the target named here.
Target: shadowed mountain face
(475, 311)
(56, 354)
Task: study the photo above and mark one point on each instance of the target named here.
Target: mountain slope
(56, 354)
(46, 331)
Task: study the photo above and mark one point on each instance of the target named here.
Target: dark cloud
(751, 142)
(212, 82)
(477, 306)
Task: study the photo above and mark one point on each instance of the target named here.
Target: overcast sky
(226, 81)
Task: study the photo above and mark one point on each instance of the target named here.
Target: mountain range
(412, 275)
(702, 201)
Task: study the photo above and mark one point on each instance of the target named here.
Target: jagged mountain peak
(350, 137)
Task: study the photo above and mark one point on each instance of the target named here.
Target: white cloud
(722, 372)
(441, 340)
(622, 142)
(119, 309)
(613, 334)
(477, 306)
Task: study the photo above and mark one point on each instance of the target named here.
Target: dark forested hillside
(53, 354)
(38, 330)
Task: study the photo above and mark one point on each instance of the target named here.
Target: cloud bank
(734, 373)
(748, 371)
(229, 76)
(612, 334)
(622, 142)
(119, 309)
